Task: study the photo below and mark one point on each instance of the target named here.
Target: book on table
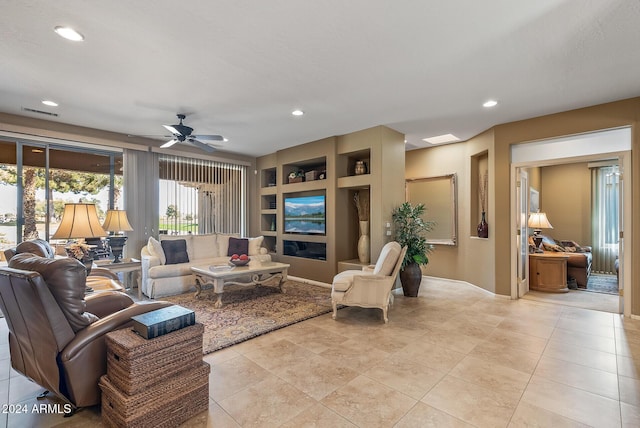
(162, 321)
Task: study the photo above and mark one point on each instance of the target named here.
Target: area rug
(251, 311)
(601, 283)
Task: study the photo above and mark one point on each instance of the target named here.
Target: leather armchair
(56, 334)
(370, 287)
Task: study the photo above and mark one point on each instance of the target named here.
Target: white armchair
(370, 287)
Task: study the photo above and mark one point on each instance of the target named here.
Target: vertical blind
(605, 217)
(201, 196)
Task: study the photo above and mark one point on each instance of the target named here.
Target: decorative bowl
(239, 262)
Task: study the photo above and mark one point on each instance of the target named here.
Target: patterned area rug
(248, 312)
(601, 283)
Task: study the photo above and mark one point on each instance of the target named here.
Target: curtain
(605, 182)
(201, 196)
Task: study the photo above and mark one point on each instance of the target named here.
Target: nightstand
(548, 272)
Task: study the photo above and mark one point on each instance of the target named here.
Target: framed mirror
(439, 196)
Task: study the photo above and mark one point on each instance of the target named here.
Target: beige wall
(566, 198)
(487, 262)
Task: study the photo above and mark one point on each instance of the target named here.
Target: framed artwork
(534, 200)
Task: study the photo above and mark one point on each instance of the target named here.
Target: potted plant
(410, 228)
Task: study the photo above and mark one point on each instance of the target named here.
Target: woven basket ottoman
(155, 382)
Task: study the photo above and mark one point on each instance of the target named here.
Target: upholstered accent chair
(370, 287)
(56, 333)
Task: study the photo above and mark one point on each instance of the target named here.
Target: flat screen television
(305, 215)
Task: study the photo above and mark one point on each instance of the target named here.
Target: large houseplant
(410, 227)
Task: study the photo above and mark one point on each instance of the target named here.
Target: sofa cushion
(344, 280)
(155, 249)
(171, 271)
(203, 247)
(254, 245)
(175, 251)
(388, 258)
(238, 246)
(66, 279)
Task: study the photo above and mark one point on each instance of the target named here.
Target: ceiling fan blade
(210, 137)
(169, 144)
(207, 148)
(171, 129)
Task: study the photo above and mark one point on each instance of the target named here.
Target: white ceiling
(238, 68)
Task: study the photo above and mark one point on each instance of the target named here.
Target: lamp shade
(117, 221)
(539, 221)
(79, 221)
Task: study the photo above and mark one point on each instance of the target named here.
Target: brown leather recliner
(56, 334)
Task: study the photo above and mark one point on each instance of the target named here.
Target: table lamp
(116, 223)
(538, 221)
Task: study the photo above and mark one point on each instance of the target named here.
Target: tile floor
(456, 356)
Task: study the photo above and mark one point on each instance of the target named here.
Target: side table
(127, 266)
(548, 272)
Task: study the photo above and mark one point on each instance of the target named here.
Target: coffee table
(255, 274)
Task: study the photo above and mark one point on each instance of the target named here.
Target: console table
(548, 272)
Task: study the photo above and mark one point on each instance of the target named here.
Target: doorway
(572, 150)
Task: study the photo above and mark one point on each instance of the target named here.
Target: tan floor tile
(220, 356)
(271, 402)
(507, 356)
(588, 317)
(572, 403)
(516, 340)
(589, 379)
(231, 376)
(280, 353)
(469, 326)
(490, 375)
(628, 347)
(455, 341)
(316, 376)
(471, 403)
(215, 416)
(584, 340)
(629, 390)
(592, 327)
(479, 317)
(406, 374)
(54, 415)
(628, 367)
(353, 355)
(368, 403)
(22, 389)
(630, 415)
(583, 356)
(527, 415)
(318, 416)
(528, 326)
(313, 338)
(425, 416)
(436, 357)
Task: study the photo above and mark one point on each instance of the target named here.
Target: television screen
(305, 215)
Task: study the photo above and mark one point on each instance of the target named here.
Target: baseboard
(309, 281)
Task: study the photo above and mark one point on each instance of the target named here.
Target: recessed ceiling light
(69, 33)
(297, 112)
(225, 140)
(50, 103)
(441, 139)
(490, 103)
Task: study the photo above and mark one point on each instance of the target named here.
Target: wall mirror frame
(439, 195)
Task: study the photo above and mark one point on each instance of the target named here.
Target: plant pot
(410, 277)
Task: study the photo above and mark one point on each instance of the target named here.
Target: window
(201, 196)
(606, 216)
(37, 179)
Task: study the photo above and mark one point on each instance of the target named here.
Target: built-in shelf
(355, 181)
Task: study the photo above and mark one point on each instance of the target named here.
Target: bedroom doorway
(552, 155)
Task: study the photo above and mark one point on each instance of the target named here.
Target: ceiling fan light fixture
(68, 33)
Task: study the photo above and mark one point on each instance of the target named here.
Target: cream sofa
(160, 279)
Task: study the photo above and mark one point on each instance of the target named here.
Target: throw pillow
(238, 246)
(155, 249)
(175, 251)
(254, 245)
(552, 247)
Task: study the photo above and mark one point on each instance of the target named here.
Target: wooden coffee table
(255, 274)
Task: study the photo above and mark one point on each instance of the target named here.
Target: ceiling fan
(183, 132)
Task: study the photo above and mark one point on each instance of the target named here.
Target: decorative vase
(363, 242)
(483, 227)
(410, 277)
(361, 168)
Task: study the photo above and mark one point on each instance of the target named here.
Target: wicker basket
(168, 404)
(135, 363)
